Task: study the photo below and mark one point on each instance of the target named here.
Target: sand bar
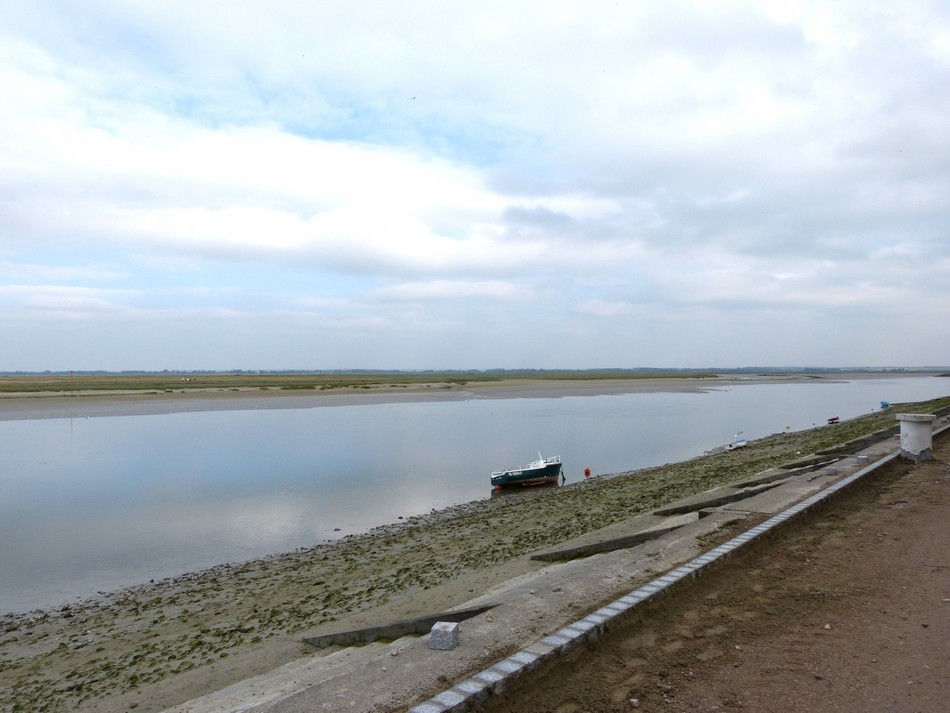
(90, 404)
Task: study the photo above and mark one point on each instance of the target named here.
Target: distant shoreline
(91, 404)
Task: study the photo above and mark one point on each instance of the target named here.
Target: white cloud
(563, 166)
(10, 270)
(454, 290)
(603, 308)
(53, 302)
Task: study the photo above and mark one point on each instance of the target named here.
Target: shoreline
(91, 404)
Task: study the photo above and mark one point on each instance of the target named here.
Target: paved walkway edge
(493, 680)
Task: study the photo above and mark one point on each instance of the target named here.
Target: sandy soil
(162, 643)
(848, 610)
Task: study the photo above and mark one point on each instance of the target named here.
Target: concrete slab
(392, 630)
(715, 497)
(621, 535)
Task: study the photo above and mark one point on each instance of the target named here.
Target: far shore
(88, 404)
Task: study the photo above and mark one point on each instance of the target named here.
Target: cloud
(51, 273)
(56, 302)
(454, 290)
(582, 169)
(603, 308)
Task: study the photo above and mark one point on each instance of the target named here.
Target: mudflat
(88, 403)
(162, 643)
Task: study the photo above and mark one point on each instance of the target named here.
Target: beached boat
(737, 442)
(539, 472)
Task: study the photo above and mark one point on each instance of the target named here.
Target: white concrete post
(916, 435)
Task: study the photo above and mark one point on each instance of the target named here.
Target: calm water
(93, 504)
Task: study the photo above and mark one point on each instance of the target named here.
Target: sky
(441, 185)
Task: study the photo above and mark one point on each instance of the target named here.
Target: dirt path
(847, 610)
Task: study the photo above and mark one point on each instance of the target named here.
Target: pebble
(634, 702)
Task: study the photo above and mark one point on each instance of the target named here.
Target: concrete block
(444, 635)
(916, 435)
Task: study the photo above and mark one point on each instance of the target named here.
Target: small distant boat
(737, 443)
(539, 472)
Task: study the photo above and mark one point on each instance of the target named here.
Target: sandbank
(90, 404)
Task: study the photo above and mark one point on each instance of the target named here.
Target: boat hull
(529, 475)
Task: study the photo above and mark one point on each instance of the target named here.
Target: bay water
(89, 505)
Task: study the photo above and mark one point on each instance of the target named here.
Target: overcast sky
(414, 185)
